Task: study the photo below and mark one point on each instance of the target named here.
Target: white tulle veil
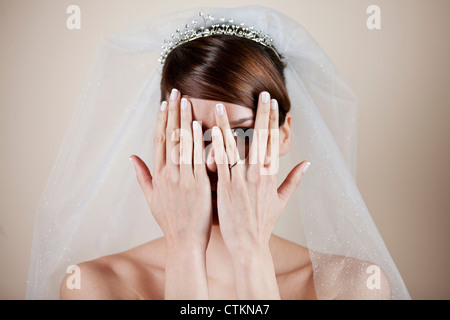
(93, 206)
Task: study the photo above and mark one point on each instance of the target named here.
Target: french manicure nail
(265, 97)
(195, 125)
(183, 104)
(174, 94)
(215, 131)
(219, 108)
(306, 166)
(274, 104)
(163, 106)
(132, 161)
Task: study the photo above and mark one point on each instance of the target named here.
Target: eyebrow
(239, 121)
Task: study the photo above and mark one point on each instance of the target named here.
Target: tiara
(227, 27)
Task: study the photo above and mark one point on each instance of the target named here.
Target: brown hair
(226, 68)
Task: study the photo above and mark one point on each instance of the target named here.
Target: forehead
(204, 111)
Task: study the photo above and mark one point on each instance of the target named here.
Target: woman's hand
(178, 193)
(179, 196)
(248, 201)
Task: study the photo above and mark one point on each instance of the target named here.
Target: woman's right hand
(179, 191)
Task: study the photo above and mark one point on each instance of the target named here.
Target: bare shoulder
(132, 274)
(294, 270)
(94, 279)
(341, 278)
(346, 278)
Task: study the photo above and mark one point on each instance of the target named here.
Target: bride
(229, 114)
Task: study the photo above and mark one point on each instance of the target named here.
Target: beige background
(400, 73)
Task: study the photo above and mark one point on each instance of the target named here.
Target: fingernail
(274, 105)
(306, 166)
(196, 125)
(163, 106)
(219, 108)
(215, 131)
(183, 104)
(174, 94)
(132, 161)
(265, 97)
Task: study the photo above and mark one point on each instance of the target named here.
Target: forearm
(255, 275)
(185, 276)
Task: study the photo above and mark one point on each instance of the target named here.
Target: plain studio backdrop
(400, 73)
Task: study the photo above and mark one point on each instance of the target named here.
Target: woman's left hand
(248, 201)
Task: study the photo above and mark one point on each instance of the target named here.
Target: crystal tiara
(224, 27)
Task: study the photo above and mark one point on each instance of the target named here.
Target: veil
(93, 206)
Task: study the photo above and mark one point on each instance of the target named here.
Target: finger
(231, 149)
(209, 151)
(292, 181)
(220, 157)
(258, 147)
(172, 129)
(143, 175)
(273, 141)
(199, 147)
(186, 139)
(159, 140)
(224, 125)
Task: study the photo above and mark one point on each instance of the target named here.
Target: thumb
(292, 181)
(143, 175)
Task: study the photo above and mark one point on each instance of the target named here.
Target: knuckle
(222, 122)
(264, 110)
(229, 145)
(173, 133)
(156, 180)
(185, 134)
(159, 138)
(273, 116)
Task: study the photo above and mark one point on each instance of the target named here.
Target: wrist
(255, 275)
(185, 271)
(250, 254)
(187, 243)
(187, 257)
(185, 249)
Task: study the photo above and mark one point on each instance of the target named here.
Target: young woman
(226, 122)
